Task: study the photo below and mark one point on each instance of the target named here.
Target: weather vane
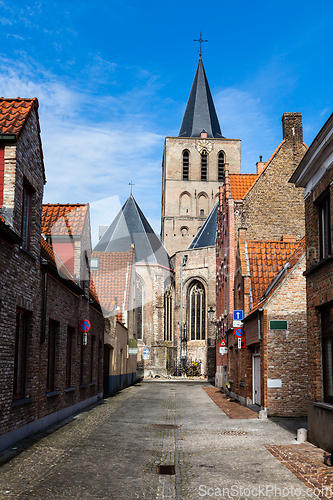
(131, 184)
(200, 41)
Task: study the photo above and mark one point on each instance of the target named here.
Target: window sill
(28, 253)
(70, 389)
(52, 393)
(82, 386)
(325, 406)
(19, 402)
(319, 264)
(92, 384)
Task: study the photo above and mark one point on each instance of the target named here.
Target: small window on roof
(94, 263)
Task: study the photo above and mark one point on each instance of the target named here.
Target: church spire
(200, 115)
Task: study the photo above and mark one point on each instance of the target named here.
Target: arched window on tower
(204, 160)
(221, 163)
(196, 311)
(186, 164)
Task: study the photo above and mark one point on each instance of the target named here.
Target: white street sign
(237, 323)
(223, 350)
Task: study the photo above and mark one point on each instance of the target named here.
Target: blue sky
(113, 78)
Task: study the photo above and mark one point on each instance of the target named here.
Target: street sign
(237, 323)
(238, 315)
(239, 343)
(84, 325)
(146, 350)
(223, 350)
(132, 350)
(222, 343)
(145, 354)
(239, 332)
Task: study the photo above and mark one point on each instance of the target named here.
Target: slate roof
(266, 259)
(112, 280)
(14, 113)
(200, 114)
(131, 226)
(206, 236)
(69, 219)
(240, 184)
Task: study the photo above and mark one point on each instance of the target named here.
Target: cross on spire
(200, 40)
(131, 184)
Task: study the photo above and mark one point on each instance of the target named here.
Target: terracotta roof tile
(14, 113)
(63, 219)
(240, 184)
(266, 259)
(112, 279)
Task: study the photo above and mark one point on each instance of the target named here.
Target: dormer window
(221, 163)
(204, 155)
(186, 164)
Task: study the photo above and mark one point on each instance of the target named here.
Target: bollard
(302, 435)
(263, 414)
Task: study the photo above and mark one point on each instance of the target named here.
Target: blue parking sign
(238, 315)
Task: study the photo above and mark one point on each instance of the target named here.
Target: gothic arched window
(220, 167)
(139, 307)
(196, 311)
(204, 158)
(168, 315)
(186, 164)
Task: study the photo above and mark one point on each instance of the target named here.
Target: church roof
(131, 226)
(206, 237)
(200, 115)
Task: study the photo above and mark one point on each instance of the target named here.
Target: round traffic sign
(239, 332)
(146, 351)
(84, 326)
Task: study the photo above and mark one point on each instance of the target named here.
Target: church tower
(193, 167)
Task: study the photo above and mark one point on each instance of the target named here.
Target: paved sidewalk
(115, 451)
(231, 408)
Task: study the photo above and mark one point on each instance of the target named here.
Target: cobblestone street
(113, 451)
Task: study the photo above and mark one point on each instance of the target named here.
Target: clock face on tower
(204, 145)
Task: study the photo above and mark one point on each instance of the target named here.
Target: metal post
(181, 313)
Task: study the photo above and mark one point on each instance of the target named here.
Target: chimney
(288, 238)
(260, 165)
(292, 127)
(242, 233)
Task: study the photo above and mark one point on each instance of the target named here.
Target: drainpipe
(45, 271)
(181, 313)
(259, 329)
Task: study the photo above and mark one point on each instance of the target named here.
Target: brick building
(267, 208)
(48, 371)
(270, 368)
(315, 174)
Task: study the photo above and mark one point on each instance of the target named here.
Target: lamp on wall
(211, 315)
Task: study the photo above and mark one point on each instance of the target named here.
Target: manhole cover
(166, 469)
(164, 426)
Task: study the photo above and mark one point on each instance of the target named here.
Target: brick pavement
(233, 409)
(309, 464)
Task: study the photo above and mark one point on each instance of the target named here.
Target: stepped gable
(206, 237)
(129, 227)
(200, 114)
(70, 219)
